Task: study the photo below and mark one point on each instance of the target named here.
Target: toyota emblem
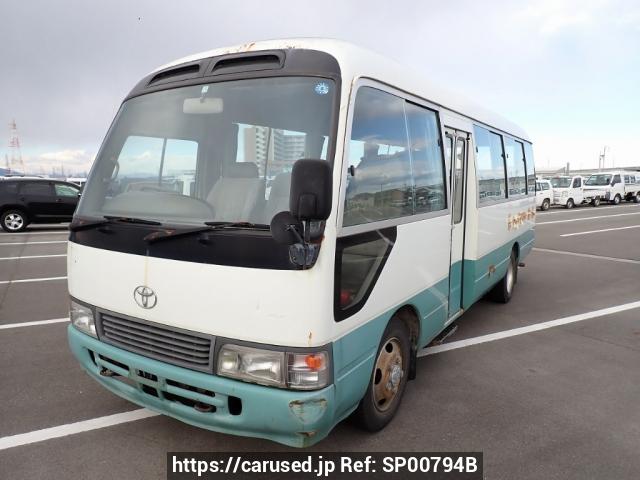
(145, 297)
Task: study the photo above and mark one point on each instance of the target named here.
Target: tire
(545, 205)
(570, 203)
(13, 221)
(503, 290)
(388, 379)
(595, 202)
(616, 200)
(636, 199)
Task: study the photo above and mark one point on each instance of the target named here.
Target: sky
(567, 71)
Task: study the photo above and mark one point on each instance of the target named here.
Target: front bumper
(294, 418)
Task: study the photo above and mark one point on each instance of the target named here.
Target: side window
(515, 167)
(616, 179)
(490, 165)
(153, 163)
(577, 183)
(379, 185)
(37, 188)
(63, 190)
(529, 162)
(426, 160)
(359, 261)
(179, 166)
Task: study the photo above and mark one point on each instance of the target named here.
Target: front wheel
(570, 203)
(616, 200)
(595, 202)
(636, 199)
(388, 380)
(545, 205)
(13, 221)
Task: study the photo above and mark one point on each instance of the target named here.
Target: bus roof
(358, 62)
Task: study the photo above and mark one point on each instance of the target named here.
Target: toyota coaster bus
(271, 232)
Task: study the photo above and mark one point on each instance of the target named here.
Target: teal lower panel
(293, 418)
(354, 354)
(482, 274)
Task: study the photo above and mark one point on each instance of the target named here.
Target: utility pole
(602, 158)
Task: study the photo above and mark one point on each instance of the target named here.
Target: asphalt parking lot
(548, 400)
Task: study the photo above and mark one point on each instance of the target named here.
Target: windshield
(598, 180)
(560, 182)
(221, 152)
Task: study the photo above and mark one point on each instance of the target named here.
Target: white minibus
(343, 212)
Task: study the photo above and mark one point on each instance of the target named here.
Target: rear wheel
(545, 205)
(503, 290)
(388, 380)
(13, 221)
(570, 203)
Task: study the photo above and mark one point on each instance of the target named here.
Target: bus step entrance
(446, 333)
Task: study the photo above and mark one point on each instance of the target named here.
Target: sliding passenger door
(457, 148)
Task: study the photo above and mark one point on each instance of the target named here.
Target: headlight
(81, 317)
(300, 371)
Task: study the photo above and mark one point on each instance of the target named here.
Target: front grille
(168, 344)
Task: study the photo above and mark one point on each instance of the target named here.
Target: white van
(570, 191)
(618, 185)
(544, 194)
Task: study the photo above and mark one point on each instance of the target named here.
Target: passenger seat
(278, 196)
(235, 194)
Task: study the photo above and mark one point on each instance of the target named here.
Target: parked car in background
(618, 185)
(544, 194)
(36, 200)
(570, 191)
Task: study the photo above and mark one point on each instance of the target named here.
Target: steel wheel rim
(13, 221)
(387, 374)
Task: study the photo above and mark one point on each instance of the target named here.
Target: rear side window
(490, 165)
(63, 190)
(37, 188)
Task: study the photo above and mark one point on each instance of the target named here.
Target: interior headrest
(242, 170)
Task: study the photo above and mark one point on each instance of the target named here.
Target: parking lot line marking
(73, 428)
(7, 326)
(27, 280)
(528, 329)
(587, 255)
(32, 243)
(583, 210)
(25, 234)
(118, 418)
(599, 231)
(587, 218)
(28, 257)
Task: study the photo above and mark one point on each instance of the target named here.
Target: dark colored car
(35, 200)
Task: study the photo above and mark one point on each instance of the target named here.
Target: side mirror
(311, 190)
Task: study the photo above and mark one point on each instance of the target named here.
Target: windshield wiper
(210, 226)
(111, 219)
